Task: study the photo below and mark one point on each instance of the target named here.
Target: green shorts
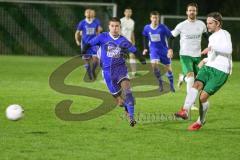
(189, 64)
(211, 78)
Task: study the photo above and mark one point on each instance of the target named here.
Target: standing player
(112, 48)
(87, 29)
(127, 30)
(156, 35)
(212, 76)
(190, 32)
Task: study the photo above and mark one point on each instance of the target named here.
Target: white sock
(205, 107)
(190, 82)
(133, 65)
(190, 98)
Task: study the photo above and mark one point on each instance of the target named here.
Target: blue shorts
(160, 56)
(91, 52)
(114, 76)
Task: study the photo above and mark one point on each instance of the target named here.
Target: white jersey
(190, 37)
(127, 27)
(220, 56)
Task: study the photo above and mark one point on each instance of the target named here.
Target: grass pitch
(40, 135)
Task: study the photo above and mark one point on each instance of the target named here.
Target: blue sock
(129, 103)
(158, 75)
(170, 78)
(169, 75)
(88, 68)
(130, 111)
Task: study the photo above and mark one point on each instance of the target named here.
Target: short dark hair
(192, 4)
(155, 13)
(127, 8)
(114, 19)
(217, 16)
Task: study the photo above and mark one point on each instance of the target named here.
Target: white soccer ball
(14, 112)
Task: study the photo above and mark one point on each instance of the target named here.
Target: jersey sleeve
(225, 47)
(145, 32)
(98, 22)
(127, 46)
(80, 26)
(176, 31)
(132, 49)
(167, 31)
(96, 40)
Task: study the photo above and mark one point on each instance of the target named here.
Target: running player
(113, 46)
(155, 37)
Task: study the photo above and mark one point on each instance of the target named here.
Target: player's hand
(170, 53)
(144, 52)
(206, 50)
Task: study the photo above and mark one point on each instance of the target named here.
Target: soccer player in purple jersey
(87, 29)
(155, 38)
(113, 46)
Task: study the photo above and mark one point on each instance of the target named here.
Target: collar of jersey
(152, 27)
(89, 22)
(113, 37)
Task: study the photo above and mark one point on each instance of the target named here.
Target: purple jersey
(157, 37)
(89, 30)
(112, 49)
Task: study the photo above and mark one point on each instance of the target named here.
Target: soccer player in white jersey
(214, 70)
(190, 31)
(127, 30)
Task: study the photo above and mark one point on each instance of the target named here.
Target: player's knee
(198, 85)
(203, 98)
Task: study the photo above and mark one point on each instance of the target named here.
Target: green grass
(40, 135)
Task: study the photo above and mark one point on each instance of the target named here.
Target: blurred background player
(127, 30)
(190, 32)
(87, 29)
(113, 46)
(155, 37)
(214, 70)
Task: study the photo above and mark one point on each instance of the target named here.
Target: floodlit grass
(40, 135)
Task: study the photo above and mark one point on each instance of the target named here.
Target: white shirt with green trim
(220, 55)
(190, 37)
(127, 27)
